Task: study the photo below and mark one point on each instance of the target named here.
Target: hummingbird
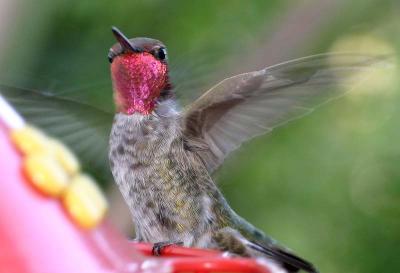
(162, 156)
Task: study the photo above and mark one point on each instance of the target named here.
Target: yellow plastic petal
(29, 140)
(84, 201)
(64, 156)
(45, 174)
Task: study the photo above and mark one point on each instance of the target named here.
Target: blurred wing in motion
(250, 104)
(84, 128)
(198, 74)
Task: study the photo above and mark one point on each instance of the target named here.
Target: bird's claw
(158, 247)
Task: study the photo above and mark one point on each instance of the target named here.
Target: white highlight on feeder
(9, 116)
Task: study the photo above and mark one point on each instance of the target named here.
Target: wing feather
(250, 104)
(84, 128)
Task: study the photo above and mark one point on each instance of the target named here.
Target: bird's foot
(158, 247)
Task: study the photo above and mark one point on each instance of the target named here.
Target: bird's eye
(161, 53)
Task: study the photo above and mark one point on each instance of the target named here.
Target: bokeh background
(327, 186)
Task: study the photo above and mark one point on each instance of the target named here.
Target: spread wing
(244, 106)
(84, 128)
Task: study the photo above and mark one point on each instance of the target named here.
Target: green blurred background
(327, 186)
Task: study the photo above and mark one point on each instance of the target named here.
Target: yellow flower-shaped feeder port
(84, 201)
(54, 171)
(29, 140)
(45, 174)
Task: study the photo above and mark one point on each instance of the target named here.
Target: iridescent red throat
(138, 79)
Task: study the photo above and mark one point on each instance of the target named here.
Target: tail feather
(290, 262)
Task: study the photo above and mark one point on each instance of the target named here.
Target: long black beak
(122, 40)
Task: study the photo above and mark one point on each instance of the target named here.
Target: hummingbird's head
(139, 72)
